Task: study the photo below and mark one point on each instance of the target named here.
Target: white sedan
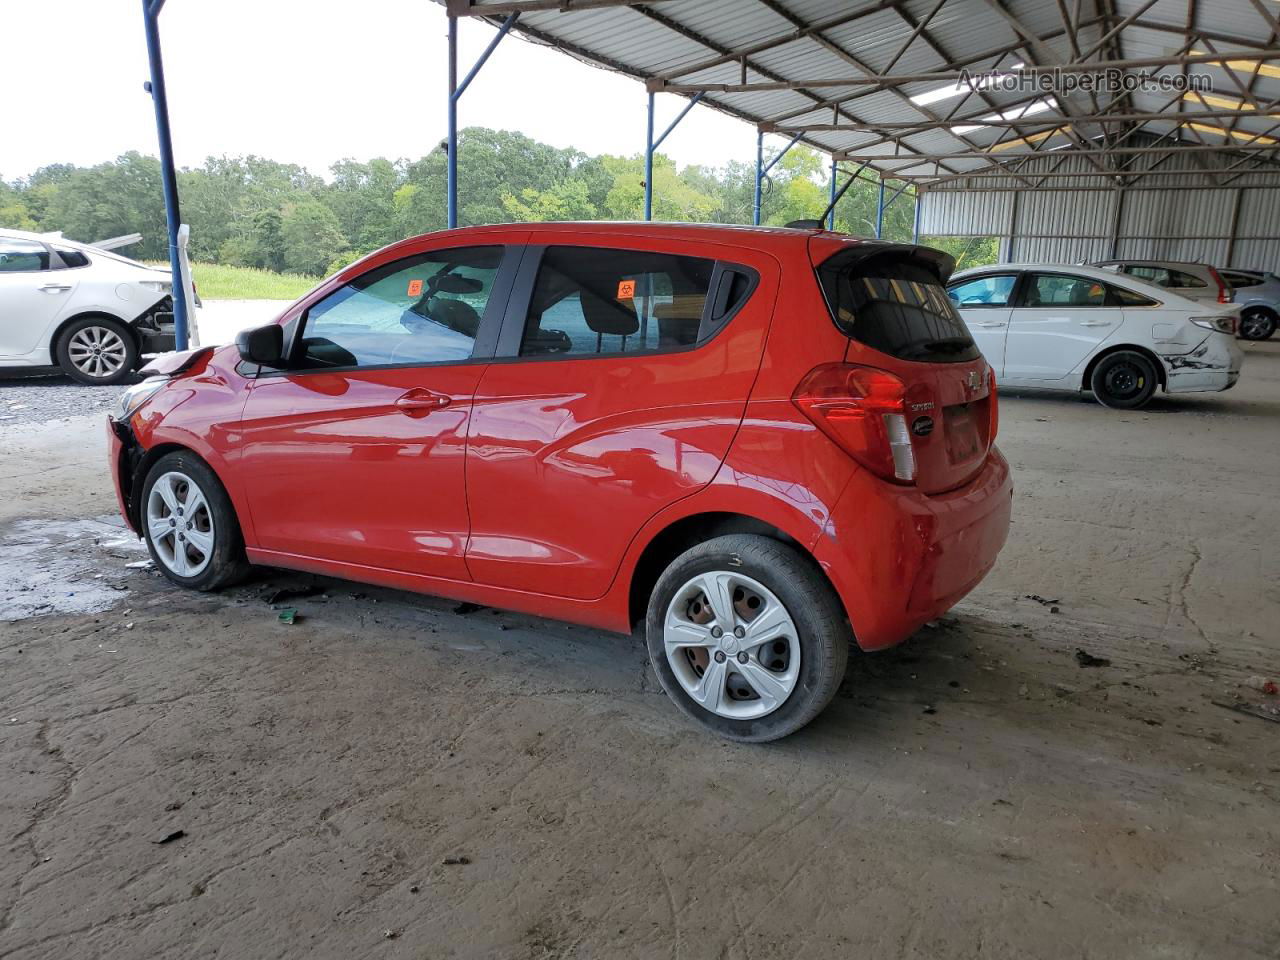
(92, 312)
(1055, 327)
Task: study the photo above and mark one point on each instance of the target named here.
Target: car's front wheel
(1125, 380)
(97, 350)
(190, 525)
(1257, 323)
(747, 637)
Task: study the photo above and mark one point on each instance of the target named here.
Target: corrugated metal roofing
(799, 42)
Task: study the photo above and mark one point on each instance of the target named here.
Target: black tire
(1257, 323)
(75, 351)
(822, 631)
(227, 563)
(1124, 380)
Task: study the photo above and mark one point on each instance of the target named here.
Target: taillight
(1223, 295)
(993, 404)
(1224, 323)
(864, 410)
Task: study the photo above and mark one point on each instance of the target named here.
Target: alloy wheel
(97, 351)
(732, 645)
(179, 524)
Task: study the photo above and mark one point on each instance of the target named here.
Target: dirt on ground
(1059, 768)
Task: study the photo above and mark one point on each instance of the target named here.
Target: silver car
(1258, 294)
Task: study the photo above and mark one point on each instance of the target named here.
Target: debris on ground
(169, 838)
(929, 708)
(294, 593)
(465, 608)
(175, 805)
(459, 861)
(288, 616)
(140, 564)
(1263, 685)
(1043, 601)
(390, 934)
(1263, 711)
(1087, 659)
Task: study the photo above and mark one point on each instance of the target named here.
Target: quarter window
(1179, 279)
(22, 256)
(1157, 275)
(590, 301)
(990, 291)
(70, 258)
(423, 309)
(1121, 297)
(1058, 290)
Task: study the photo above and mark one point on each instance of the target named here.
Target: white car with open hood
(1073, 328)
(90, 311)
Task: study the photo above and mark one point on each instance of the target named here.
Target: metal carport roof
(873, 81)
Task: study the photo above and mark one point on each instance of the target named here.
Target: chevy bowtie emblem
(974, 380)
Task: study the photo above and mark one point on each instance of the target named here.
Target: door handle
(990, 323)
(421, 399)
(1095, 323)
(56, 287)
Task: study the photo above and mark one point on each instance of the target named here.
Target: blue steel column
(831, 215)
(648, 164)
(880, 210)
(451, 161)
(755, 207)
(168, 174)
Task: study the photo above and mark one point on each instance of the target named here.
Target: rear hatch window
(895, 306)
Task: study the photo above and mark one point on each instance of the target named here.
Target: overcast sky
(307, 81)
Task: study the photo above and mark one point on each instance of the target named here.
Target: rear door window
(1186, 280)
(22, 256)
(589, 301)
(1059, 290)
(896, 306)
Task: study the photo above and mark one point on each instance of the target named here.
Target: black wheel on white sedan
(1257, 323)
(747, 637)
(190, 525)
(97, 350)
(1125, 380)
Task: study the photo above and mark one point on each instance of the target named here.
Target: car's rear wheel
(97, 350)
(746, 637)
(189, 524)
(1257, 323)
(1125, 380)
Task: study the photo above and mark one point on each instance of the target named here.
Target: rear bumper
(1214, 365)
(899, 558)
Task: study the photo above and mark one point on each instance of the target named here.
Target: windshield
(897, 306)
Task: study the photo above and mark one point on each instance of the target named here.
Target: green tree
(310, 235)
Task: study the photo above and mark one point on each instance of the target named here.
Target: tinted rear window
(895, 306)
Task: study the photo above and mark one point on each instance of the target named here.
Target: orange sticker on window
(415, 288)
(626, 289)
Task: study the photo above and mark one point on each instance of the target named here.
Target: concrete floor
(975, 792)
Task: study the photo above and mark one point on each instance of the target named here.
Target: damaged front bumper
(124, 457)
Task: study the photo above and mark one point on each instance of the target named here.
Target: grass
(217, 282)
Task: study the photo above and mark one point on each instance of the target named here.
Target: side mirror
(262, 345)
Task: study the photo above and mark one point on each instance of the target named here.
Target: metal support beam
(915, 220)
(831, 212)
(168, 172)
(651, 145)
(456, 90)
(762, 169)
(880, 210)
(1031, 120)
(755, 205)
(950, 76)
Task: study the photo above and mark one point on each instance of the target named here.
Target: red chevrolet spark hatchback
(763, 443)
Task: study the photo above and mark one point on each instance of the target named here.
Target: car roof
(1179, 264)
(1075, 269)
